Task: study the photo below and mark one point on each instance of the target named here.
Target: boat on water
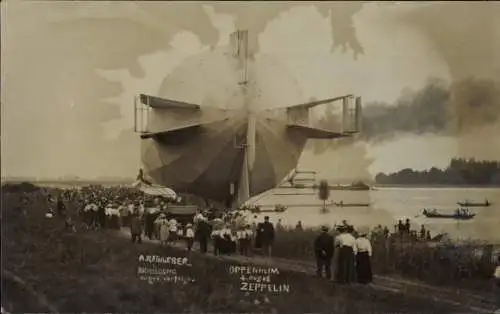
(459, 214)
(342, 204)
(358, 186)
(277, 209)
(467, 203)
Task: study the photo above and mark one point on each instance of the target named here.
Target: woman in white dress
(173, 229)
(164, 229)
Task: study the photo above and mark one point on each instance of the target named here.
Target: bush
(467, 265)
(24, 187)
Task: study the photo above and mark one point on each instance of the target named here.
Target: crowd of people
(349, 251)
(343, 254)
(148, 216)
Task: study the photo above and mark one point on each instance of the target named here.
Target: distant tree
(460, 171)
(323, 192)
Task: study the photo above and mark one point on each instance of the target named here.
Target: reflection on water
(387, 205)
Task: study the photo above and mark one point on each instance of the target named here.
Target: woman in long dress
(363, 262)
(164, 230)
(172, 230)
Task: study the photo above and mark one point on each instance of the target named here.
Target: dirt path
(472, 301)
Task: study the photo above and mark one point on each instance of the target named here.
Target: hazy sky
(67, 88)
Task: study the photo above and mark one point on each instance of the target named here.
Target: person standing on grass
(347, 251)
(241, 236)
(136, 228)
(298, 226)
(172, 230)
(496, 288)
(180, 231)
(279, 226)
(101, 215)
(203, 230)
(225, 240)
(217, 238)
(422, 232)
(61, 208)
(266, 229)
(363, 262)
(189, 236)
(164, 232)
(323, 249)
(246, 242)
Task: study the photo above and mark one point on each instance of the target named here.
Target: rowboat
(342, 204)
(472, 204)
(277, 209)
(435, 214)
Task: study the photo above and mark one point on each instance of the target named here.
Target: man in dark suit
(266, 231)
(203, 231)
(323, 249)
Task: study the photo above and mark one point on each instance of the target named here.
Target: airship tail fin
(298, 118)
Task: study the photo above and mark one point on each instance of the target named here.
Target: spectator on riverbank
(101, 214)
(279, 225)
(266, 231)
(245, 239)
(407, 226)
(496, 278)
(346, 244)
(136, 228)
(61, 208)
(363, 258)
(189, 236)
(172, 229)
(217, 237)
(400, 227)
(323, 249)
(298, 226)
(164, 228)
(225, 240)
(386, 232)
(422, 232)
(202, 234)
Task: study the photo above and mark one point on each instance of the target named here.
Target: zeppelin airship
(225, 126)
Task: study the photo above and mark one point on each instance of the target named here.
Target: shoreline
(437, 186)
(343, 187)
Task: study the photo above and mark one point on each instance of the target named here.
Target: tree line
(460, 171)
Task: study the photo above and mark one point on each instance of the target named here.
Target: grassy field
(450, 265)
(95, 271)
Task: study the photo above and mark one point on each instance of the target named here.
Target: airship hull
(208, 160)
(234, 135)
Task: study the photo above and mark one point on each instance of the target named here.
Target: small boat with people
(279, 208)
(342, 204)
(462, 214)
(468, 203)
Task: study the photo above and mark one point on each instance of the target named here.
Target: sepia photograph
(250, 157)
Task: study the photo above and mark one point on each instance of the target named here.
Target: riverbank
(467, 265)
(438, 186)
(96, 271)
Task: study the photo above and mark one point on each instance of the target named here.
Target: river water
(387, 205)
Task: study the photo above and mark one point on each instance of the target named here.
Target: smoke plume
(439, 108)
